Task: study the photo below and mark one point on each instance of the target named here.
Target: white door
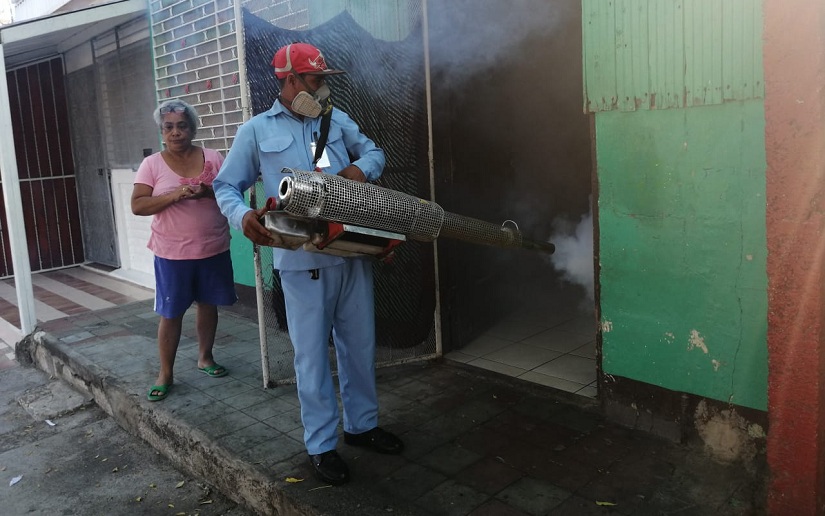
(136, 260)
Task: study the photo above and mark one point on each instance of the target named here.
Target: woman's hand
(203, 191)
(184, 192)
(144, 204)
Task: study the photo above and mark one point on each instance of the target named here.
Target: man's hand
(354, 173)
(254, 230)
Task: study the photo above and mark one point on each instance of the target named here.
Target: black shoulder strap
(322, 138)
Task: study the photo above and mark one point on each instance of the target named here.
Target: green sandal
(215, 370)
(158, 392)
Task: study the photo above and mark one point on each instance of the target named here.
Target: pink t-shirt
(191, 228)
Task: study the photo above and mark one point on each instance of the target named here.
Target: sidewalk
(476, 443)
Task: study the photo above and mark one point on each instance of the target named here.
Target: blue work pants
(338, 298)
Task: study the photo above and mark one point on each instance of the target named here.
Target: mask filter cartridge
(309, 105)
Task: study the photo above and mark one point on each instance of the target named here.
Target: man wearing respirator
(322, 292)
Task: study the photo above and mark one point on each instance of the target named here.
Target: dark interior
(511, 142)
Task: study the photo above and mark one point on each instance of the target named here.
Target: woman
(190, 239)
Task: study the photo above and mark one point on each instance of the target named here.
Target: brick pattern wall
(197, 60)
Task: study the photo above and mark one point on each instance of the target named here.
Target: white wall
(28, 9)
(5, 12)
(78, 57)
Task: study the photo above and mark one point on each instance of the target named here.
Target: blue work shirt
(275, 140)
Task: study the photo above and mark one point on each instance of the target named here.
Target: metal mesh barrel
(334, 198)
(329, 197)
(477, 231)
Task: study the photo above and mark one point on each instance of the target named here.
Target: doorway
(512, 142)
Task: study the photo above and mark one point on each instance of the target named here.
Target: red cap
(300, 58)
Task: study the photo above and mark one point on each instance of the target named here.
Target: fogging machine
(334, 215)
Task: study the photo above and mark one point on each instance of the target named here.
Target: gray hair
(177, 105)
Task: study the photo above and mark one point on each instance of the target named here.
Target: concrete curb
(187, 448)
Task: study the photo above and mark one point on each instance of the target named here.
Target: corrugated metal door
(37, 99)
(640, 54)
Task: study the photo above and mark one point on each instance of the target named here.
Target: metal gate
(48, 189)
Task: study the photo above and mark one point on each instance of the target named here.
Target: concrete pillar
(794, 59)
(14, 210)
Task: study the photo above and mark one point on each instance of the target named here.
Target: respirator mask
(311, 104)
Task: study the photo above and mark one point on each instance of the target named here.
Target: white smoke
(469, 37)
(574, 251)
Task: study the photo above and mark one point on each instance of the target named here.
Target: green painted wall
(643, 54)
(683, 249)
(241, 250)
(390, 20)
(243, 260)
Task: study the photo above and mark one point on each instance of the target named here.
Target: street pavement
(61, 454)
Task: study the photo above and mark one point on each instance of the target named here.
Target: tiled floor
(63, 292)
(546, 344)
(551, 343)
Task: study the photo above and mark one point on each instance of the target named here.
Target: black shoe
(377, 439)
(330, 468)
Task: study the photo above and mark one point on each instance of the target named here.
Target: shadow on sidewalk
(476, 442)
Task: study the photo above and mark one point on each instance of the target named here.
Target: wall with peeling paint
(682, 241)
(671, 53)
